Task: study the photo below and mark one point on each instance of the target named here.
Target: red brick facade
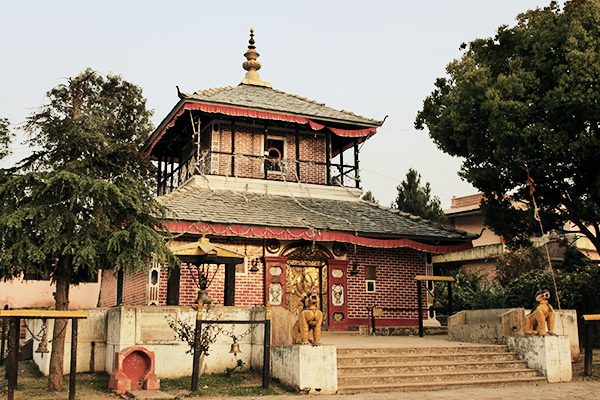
(249, 154)
(395, 285)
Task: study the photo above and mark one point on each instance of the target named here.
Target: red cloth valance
(299, 234)
(241, 112)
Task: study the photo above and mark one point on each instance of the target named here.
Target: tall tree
(416, 199)
(523, 109)
(82, 200)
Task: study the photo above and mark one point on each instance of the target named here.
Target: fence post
(12, 365)
(197, 337)
(267, 347)
(73, 370)
(420, 301)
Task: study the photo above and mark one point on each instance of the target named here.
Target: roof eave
(365, 123)
(146, 148)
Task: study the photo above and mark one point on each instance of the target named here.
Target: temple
(264, 189)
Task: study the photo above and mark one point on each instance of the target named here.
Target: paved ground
(577, 389)
(550, 391)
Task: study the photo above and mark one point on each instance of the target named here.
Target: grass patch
(32, 384)
(247, 383)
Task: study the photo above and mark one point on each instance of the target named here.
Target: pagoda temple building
(264, 189)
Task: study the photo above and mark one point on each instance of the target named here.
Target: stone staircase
(429, 368)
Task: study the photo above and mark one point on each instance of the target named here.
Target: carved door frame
(276, 288)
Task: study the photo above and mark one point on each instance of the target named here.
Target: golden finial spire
(252, 65)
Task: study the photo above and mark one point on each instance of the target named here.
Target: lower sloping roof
(225, 212)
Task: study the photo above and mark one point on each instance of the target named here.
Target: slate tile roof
(263, 210)
(264, 98)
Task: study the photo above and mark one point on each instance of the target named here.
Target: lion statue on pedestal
(307, 329)
(535, 323)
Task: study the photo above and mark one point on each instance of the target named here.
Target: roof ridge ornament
(252, 65)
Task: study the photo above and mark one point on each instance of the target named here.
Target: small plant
(239, 365)
(185, 332)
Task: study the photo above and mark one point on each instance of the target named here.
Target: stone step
(339, 333)
(436, 385)
(420, 350)
(429, 367)
(443, 358)
(393, 379)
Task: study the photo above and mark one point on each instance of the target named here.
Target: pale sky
(374, 58)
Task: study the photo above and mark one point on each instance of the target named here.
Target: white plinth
(311, 368)
(549, 355)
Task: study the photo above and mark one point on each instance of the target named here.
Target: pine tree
(5, 138)
(416, 199)
(82, 200)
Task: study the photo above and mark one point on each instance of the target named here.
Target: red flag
(530, 183)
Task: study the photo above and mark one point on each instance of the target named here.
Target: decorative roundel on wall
(275, 271)
(337, 273)
(338, 316)
(273, 245)
(339, 249)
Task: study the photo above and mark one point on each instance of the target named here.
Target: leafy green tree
(578, 289)
(416, 199)
(520, 261)
(470, 291)
(82, 200)
(522, 105)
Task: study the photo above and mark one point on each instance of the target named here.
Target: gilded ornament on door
(306, 272)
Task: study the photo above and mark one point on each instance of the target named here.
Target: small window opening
(274, 153)
(370, 286)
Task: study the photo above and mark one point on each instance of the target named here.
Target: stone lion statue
(535, 322)
(307, 329)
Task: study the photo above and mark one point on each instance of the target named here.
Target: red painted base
(134, 369)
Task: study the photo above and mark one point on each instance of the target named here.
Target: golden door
(302, 280)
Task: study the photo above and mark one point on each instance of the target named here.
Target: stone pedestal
(134, 369)
(549, 355)
(310, 368)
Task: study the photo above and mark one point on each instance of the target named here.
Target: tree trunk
(61, 297)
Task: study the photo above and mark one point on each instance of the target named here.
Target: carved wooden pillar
(275, 284)
(338, 302)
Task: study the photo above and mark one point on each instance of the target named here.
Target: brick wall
(486, 269)
(395, 284)
(135, 285)
(250, 141)
(108, 290)
(464, 201)
(248, 285)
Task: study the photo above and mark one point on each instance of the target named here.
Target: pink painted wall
(19, 293)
